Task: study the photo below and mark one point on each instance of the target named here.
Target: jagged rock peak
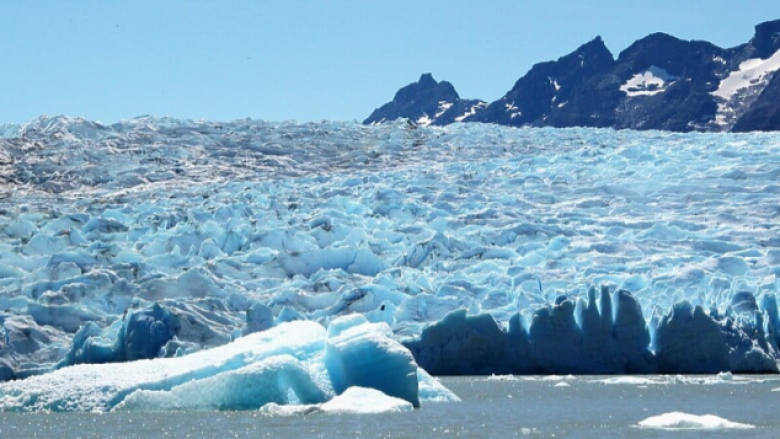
(426, 84)
(426, 101)
(767, 38)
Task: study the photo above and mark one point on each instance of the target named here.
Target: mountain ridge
(659, 82)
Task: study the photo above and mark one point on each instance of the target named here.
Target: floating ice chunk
(354, 401)
(557, 378)
(293, 363)
(103, 387)
(562, 384)
(280, 379)
(360, 400)
(274, 409)
(635, 381)
(365, 356)
(685, 421)
(495, 377)
(432, 390)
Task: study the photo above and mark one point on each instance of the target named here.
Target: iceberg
(285, 365)
(360, 400)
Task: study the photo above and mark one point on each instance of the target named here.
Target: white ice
(360, 400)
(354, 401)
(685, 421)
(283, 365)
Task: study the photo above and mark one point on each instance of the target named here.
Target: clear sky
(309, 59)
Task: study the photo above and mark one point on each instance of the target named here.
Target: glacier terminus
(198, 265)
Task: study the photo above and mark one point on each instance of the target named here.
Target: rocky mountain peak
(767, 38)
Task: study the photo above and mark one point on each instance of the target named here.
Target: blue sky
(309, 59)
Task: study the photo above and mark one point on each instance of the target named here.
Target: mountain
(427, 102)
(659, 82)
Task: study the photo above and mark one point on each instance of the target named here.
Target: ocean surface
(544, 407)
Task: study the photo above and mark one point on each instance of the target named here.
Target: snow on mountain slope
(648, 83)
(752, 72)
(742, 87)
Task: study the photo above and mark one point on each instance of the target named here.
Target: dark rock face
(684, 102)
(764, 114)
(766, 39)
(548, 88)
(425, 101)
(659, 82)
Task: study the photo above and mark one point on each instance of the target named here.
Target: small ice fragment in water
(685, 421)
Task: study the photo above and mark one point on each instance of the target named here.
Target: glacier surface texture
(483, 249)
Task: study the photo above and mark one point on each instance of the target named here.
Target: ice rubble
(296, 363)
(158, 237)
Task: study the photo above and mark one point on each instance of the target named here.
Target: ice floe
(685, 421)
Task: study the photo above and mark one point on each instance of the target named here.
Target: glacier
(481, 249)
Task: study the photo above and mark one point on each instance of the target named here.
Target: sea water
(498, 407)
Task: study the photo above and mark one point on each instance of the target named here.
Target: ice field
(567, 251)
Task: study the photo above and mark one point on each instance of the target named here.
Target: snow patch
(424, 120)
(443, 107)
(651, 82)
(743, 86)
(471, 111)
(751, 73)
